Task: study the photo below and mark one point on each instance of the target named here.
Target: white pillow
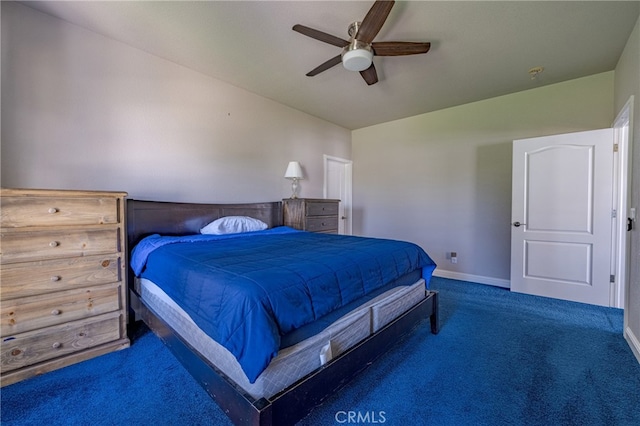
(233, 225)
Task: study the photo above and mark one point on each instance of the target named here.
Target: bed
(318, 348)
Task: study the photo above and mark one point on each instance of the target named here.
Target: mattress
(296, 361)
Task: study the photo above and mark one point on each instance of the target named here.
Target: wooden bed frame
(296, 401)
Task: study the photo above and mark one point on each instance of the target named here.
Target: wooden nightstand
(311, 214)
(63, 285)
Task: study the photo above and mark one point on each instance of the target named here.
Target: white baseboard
(633, 341)
(498, 282)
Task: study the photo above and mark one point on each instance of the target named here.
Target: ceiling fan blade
(370, 75)
(372, 23)
(319, 35)
(399, 48)
(325, 66)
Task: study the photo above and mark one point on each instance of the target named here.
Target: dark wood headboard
(158, 217)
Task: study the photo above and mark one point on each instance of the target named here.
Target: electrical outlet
(454, 257)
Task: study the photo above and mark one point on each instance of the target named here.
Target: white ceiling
(479, 49)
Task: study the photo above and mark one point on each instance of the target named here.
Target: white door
(562, 216)
(337, 185)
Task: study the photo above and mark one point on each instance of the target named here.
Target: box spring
(294, 362)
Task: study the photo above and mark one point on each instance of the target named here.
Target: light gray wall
(443, 179)
(627, 84)
(80, 111)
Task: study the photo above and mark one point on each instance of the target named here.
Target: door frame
(348, 187)
(623, 131)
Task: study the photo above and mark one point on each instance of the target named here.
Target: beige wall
(443, 179)
(627, 84)
(81, 111)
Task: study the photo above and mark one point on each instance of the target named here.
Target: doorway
(338, 185)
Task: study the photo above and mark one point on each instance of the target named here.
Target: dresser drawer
(20, 212)
(28, 246)
(31, 313)
(315, 208)
(49, 276)
(322, 224)
(52, 342)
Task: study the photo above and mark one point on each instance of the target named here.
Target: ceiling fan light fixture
(357, 60)
(357, 56)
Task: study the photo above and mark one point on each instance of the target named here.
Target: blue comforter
(247, 290)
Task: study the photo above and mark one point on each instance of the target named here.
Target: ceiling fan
(357, 53)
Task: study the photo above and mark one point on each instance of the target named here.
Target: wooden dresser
(62, 279)
(311, 214)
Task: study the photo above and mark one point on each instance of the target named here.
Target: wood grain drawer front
(322, 224)
(48, 276)
(29, 246)
(321, 209)
(52, 342)
(18, 212)
(31, 313)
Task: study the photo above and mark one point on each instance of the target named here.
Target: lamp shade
(294, 171)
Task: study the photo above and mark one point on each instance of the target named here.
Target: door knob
(518, 224)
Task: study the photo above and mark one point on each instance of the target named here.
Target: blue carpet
(500, 359)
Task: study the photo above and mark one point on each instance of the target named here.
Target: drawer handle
(54, 244)
(56, 345)
(55, 312)
(53, 210)
(55, 278)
